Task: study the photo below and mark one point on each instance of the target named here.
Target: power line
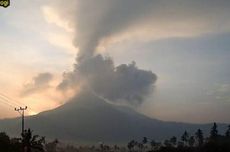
(6, 103)
(13, 102)
(10, 99)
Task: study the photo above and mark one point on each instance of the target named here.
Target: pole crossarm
(21, 110)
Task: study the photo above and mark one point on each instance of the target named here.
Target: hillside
(89, 119)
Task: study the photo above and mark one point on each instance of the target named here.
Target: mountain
(89, 119)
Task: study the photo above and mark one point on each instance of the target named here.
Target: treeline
(195, 142)
(26, 143)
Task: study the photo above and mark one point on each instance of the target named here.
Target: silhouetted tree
(116, 148)
(106, 148)
(15, 144)
(131, 145)
(52, 146)
(153, 144)
(30, 141)
(191, 141)
(34, 143)
(140, 146)
(227, 134)
(145, 140)
(199, 137)
(173, 141)
(103, 147)
(180, 144)
(158, 145)
(4, 142)
(167, 143)
(185, 137)
(214, 131)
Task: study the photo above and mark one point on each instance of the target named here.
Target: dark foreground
(196, 142)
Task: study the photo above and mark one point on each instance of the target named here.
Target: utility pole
(21, 111)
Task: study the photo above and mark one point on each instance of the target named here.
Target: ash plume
(124, 83)
(94, 21)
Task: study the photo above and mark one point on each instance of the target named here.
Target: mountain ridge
(87, 118)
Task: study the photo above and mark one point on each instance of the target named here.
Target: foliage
(27, 143)
(188, 143)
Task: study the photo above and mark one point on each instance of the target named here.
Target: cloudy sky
(185, 43)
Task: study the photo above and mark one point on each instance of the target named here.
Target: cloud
(51, 16)
(96, 20)
(101, 20)
(38, 83)
(221, 92)
(124, 83)
(92, 22)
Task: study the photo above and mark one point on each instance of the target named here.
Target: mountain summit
(87, 118)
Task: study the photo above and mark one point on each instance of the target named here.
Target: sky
(185, 43)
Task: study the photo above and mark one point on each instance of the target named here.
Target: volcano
(90, 119)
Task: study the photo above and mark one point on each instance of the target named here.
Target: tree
(116, 148)
(199, 137)
(214, 131)
(173, 141)
(15, 144)
(140, 146)
(30, 141)
(52, 146)
(185, 137)
(131, 145)
(104, 147)
(4, 142)
(145, 140)
(153, 144)
(167, 143)
(191, 141)
(227, 134)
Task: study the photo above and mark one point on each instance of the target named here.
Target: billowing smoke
(38, 83)
(94, 21)
(124, 83)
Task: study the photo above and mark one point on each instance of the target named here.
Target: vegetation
(186, 143)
